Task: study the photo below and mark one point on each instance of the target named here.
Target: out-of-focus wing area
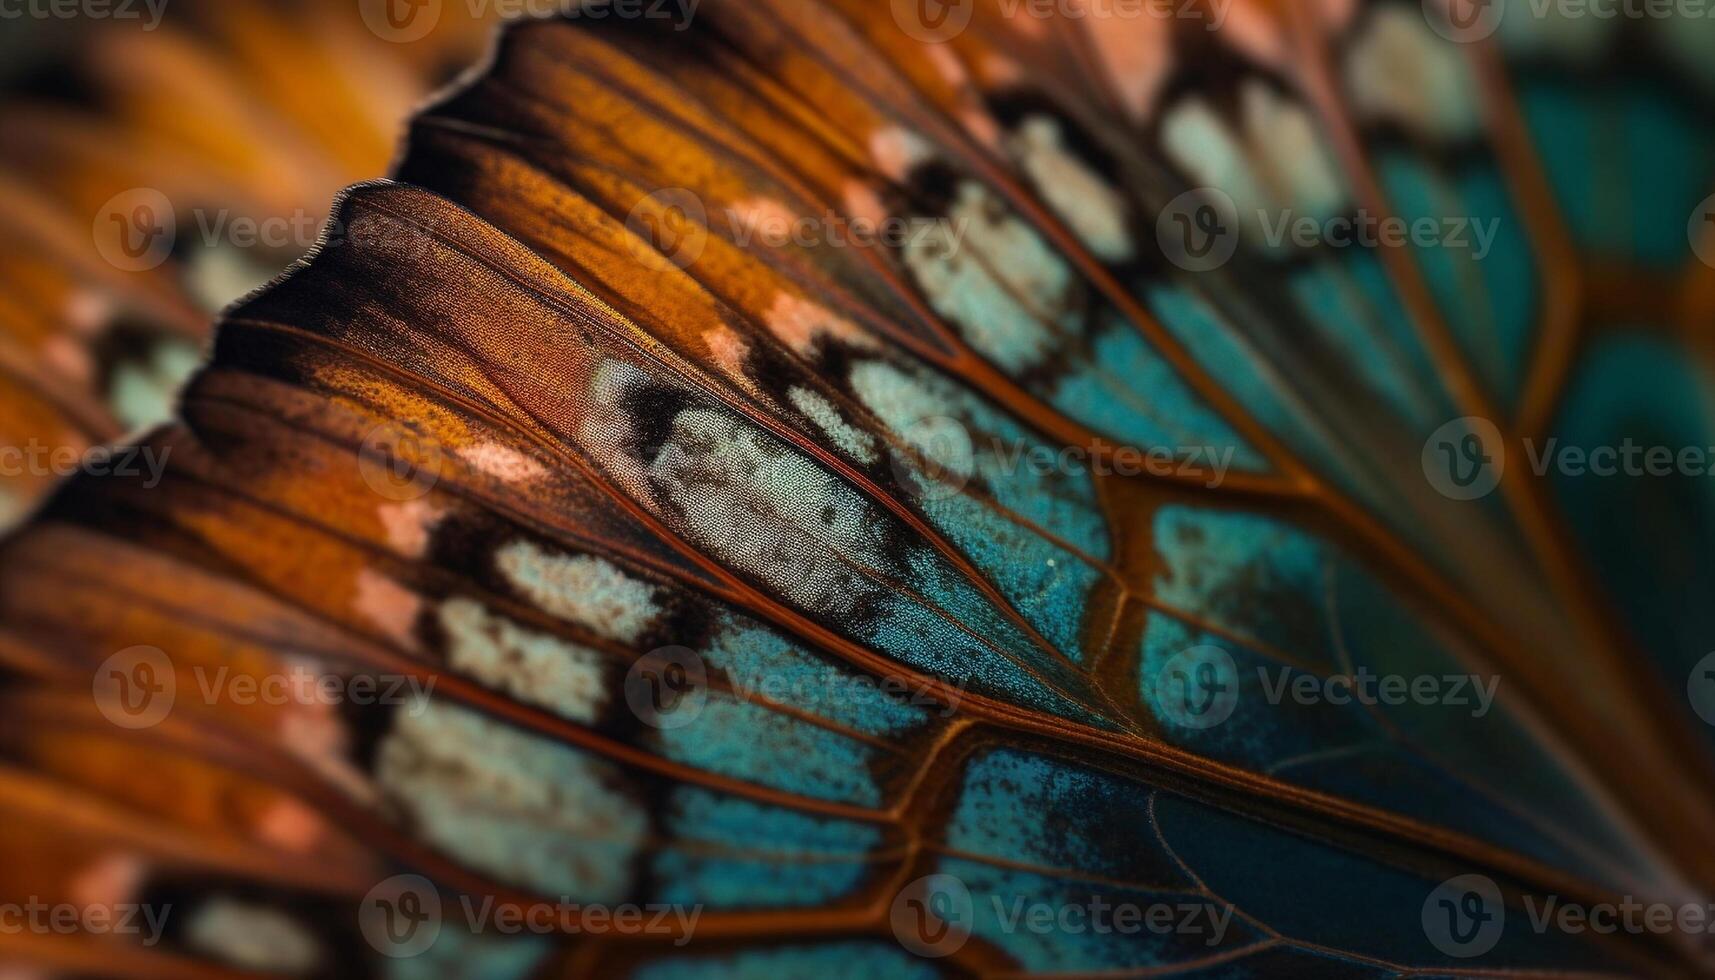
(152, 171)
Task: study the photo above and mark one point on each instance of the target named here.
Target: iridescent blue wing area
(785, 476)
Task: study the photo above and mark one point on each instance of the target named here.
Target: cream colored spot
(533, 667)
(253, 937)
(1400, 70)
(388, 606)
(583, 589)
(502, 462)
(852, 441)
(1095, 211)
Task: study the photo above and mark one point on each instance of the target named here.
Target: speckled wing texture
(715, 566)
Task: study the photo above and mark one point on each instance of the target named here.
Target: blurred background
(158, 160)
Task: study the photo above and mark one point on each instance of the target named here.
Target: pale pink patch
(409, 525)
(896, 150)
(86, 312)
(112, 878)
(503, 463)
(1025, 21)
(765, 220)
(728, 350)
(1000, 70)
(1254, 29)
(389, 606)
(69, 358)
(1337, 14)
(1135, 55)
(946, 63)
(290, 825)
(982, 127)
(318, 740)
(863, 203)
(798, 322)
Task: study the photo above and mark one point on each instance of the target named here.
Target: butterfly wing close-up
(773, 488)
